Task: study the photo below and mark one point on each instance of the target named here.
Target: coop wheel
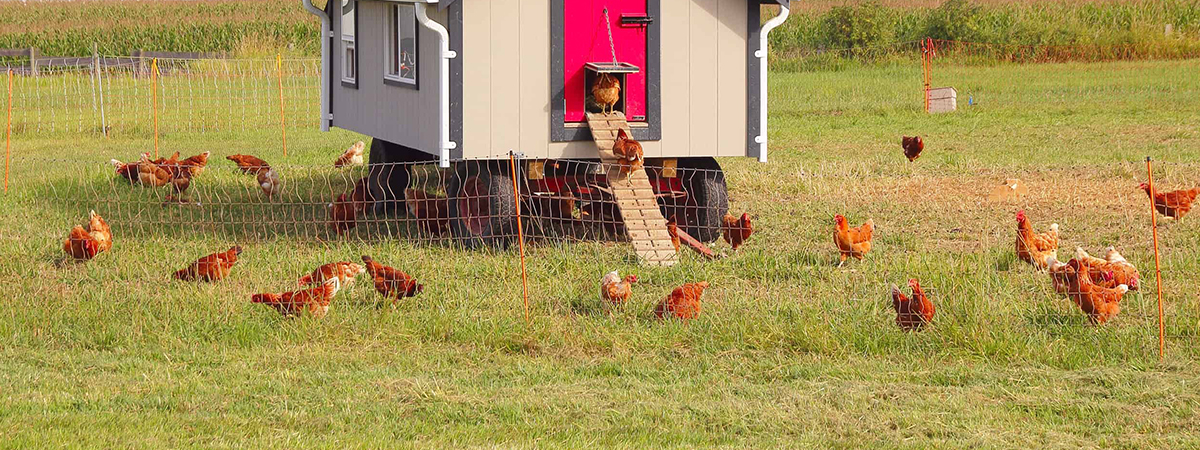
(482, 207)
(707, 200)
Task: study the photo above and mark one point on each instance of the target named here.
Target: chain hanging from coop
(607, 78)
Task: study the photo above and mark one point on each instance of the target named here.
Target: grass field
(791, 350)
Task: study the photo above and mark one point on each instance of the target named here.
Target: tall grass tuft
(872, 31)
(119, 28)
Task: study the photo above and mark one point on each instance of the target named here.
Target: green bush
(954, 20)
(1087, 31)
(864, 25)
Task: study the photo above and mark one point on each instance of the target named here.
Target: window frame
(349, 45)
(563, 131)
(392, 48)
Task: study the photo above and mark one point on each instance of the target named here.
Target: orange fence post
(282, 118)
(8, 133)
(1162, 339)
(926, 70)
(512, 160)
(154, 98)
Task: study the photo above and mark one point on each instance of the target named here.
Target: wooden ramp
(635, 197)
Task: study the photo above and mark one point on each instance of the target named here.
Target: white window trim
(349, 65)
(350, 43)
(392, 48)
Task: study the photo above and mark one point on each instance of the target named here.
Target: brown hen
(912, 313)
(1035, 248)
(249, 164)
(736, 230)
(607, 92)
(85, 243)
(150, 174)
(854, 242)
(912, 147)
(1099, 303)
(683, 303)
(615, 290)
(1121, 271)
(213, 267)
(314, 300)
(345, 272)
(391, 282)
(628, 152)
(1173, 205)
(353, 156)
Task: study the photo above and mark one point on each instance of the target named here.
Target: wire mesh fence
(117, 96)
(467, 205)
(968, 222)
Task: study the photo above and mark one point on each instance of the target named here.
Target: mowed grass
(790, 350)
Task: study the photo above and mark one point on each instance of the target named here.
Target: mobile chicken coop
(466, 82)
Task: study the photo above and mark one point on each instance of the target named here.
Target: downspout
(761, 54)
(326, 34)
(444, 84)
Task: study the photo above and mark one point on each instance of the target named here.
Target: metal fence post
(282, 118)
(100, 87)
(93, 80)
(8, 132)
(33, 64)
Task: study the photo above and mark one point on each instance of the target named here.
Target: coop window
(349, 43)
(401, 58)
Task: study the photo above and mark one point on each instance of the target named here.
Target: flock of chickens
(178, 174)
(1095, 285)
(316, 289)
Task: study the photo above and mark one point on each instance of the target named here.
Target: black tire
(483, 207)
(707, 200)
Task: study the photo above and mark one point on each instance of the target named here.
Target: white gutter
(444, 141)
(761, 54)
(326, 34)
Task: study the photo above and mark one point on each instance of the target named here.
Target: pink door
(587, 41)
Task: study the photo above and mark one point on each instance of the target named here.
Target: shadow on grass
(225, 203)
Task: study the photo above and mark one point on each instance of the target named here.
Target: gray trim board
(331, 36)
(753, 80)
(559, 132)
(455, 18)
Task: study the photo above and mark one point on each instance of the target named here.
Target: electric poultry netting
(568, 210)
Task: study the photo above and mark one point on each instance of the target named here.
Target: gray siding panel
(503, 98)
(396, 114)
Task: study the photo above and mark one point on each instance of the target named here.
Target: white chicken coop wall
(506, 79)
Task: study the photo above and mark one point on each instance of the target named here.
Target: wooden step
(644, 223)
